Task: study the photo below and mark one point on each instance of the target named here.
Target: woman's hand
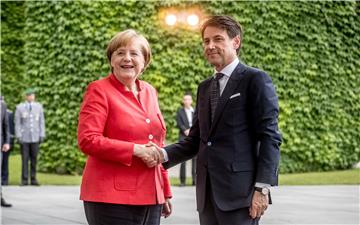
(167, 208)
(148, 154)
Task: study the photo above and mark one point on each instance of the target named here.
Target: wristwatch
(263, 190)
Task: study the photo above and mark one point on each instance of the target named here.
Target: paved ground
(293, 205)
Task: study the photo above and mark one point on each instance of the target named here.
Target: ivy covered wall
(310, 49)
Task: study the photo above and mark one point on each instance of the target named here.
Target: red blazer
(111, 121)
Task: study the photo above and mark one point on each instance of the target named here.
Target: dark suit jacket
(241, 146)
(4, 123)
(11, 128)
(182, 123)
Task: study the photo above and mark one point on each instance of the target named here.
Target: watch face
(265, 191)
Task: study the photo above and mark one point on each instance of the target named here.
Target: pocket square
(234, 95)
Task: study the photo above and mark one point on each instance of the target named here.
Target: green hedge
(310, 49)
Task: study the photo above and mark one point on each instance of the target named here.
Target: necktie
(215, 93)
(30, 108)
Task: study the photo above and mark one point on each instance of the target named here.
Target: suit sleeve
(265, 111)
(167, 185)
(187, 148)
(92, 119)
(42, 122)
(17, 123)
(5, 124)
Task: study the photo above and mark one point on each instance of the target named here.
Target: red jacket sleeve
(92, 119)
(167, 186)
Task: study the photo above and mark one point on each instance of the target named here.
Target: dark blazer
(5, 132)
(182, 123)
(11, 127)
(241, 146)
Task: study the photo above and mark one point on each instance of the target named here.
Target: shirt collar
(227, 70)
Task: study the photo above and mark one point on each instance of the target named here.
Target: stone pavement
(293, 205)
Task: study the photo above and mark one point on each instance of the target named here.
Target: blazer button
(147, 120)
(150, 137)
(209, 143)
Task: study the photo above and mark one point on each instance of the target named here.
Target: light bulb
(170, 20)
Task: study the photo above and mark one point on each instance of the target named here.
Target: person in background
(5, 156)
(118, 119)
(30, 132)
(184, 118)
(4, 140)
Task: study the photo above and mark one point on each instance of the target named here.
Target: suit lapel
(184, 116)
(206, 106)
(230, 87)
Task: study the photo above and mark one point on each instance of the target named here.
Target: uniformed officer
(30, 132)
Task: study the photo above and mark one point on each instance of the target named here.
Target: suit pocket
(238, 181)
(243, 176)
(237, 102)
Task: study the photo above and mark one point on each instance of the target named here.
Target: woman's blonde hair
(123, 38)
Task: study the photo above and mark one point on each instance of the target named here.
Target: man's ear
(236, 42)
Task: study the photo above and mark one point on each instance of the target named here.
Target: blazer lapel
(230, 87)
(206, 106)
(184, 116)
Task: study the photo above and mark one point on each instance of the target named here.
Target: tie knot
(218, 76)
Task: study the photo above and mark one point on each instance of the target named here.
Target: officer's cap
(30, 91)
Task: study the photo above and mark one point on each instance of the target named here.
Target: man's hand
(167, 208)
(41, 139)
(161, 155)
(259, 204)
(186, 132)
(5, 147)
(148, 154)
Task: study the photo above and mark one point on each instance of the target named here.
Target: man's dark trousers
(29, 151)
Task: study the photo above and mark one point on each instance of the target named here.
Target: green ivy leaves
(310, 49)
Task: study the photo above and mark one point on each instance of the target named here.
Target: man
(5, 155)
(30, 132)
(234, 134)
(4, 140)
(184, 118)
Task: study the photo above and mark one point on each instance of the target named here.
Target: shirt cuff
(166, 157)
(261, 185)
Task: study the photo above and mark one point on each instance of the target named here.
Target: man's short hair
(227, 23)
(187, 93)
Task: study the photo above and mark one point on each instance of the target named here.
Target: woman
(119, 116)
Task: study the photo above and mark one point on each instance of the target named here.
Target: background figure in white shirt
(30, 132)
(184, 122)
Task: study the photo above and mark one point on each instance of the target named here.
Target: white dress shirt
(227, 71)
(189, 114)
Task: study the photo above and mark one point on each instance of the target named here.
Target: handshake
(150, 154)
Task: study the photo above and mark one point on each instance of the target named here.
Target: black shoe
(182, 185)
(35, 183)
(5, 204)
(24, 183)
